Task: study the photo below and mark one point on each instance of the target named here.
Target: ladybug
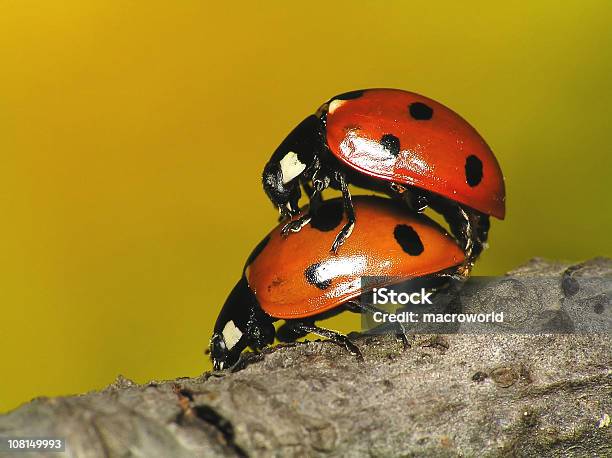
(396, 142)
(298, 280)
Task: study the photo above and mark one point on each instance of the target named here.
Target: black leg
(296, 225)
(339, 339)
(314, 194)
(287, 333)
(469, 227)
(420, 203)
(467, 233)
(346, 231)
(415, 200)
(320, 181)
(245, 359)
(316, 197)
(307, 188)
(479, 223)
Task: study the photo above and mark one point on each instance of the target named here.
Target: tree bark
(498, 393)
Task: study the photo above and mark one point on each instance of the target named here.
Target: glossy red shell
(433, 153)
(279, 273)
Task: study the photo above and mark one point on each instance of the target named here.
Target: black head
(240, 324)
(293, 159)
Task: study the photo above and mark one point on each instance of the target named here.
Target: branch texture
(487, 394)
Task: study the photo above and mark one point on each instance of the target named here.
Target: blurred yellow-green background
(133, 134)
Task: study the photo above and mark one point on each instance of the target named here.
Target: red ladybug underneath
(392, 141)
(298, 280)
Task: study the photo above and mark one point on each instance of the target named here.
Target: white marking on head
(350, 230)
(291, 167)
(334, 105)
(231, 334)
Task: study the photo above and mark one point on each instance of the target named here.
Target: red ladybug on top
(392, 141)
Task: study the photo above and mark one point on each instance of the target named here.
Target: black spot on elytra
(349, 95)
(391, 143)
(420, 111)
(473, 170)
(258, 249)
(408, 239)
(311, 276)
(328, 216)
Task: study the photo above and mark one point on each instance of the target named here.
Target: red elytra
(437, 149)
(298, 277)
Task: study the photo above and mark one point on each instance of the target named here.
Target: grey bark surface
(492, 394)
